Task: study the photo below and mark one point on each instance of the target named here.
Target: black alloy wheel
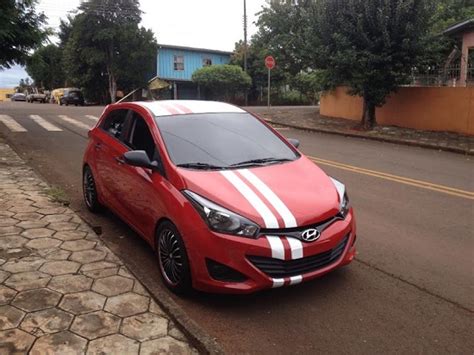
(173, 259)
(90, 191)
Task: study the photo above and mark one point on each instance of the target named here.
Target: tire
(89, 191)
(176, 273)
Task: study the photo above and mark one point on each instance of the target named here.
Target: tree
(45, 67)
(21, 30)
(223, 79)
(368, 45)
(105, 45)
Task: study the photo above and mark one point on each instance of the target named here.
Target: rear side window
(114, 123)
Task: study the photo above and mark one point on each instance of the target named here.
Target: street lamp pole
(245, 47)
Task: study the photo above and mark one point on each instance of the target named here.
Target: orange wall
(428, 108)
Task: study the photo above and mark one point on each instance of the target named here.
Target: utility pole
(245, 47)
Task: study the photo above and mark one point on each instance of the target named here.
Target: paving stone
(14, 253)
(113, 258)
(23, 265)
(4, 275)
(53, 218)
(98, 265)
(60, 267)
(9, 230)
(124, 272)
(82, 302)
(10, 317)
(54, 209)
(7, 222)
(138, 288)
(43, 243)
(63, 342)
(101, 273)
(145, 326)
(37, 232)
(127, 304)
(88, 256)
(63, 226)
(27, 280)
(32, 224)
(70, 283)
(12, 241)
(35, 300)
(6, 213)
(22, 209)
(6, 294)
(50, 320)
(113, 344)
(176, 333)
(112, 285)
(78, 245)
(15, 341)
(70, 235)
(57, 254)
(96, 324)
(30, 216)
(155, 308)
(166, 345)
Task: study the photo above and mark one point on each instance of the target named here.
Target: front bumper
(204, 245)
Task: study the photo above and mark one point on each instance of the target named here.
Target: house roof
(193, 49)
(461, 27)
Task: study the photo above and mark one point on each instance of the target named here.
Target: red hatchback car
(228, 203)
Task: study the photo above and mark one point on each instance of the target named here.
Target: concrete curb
(380, 139)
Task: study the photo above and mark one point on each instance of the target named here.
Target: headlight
(344, 205)
(220, 219)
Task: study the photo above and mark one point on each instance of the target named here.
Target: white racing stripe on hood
(296, 248)
(278, 250)
(288, 218)
(275, 201)
(267, 215)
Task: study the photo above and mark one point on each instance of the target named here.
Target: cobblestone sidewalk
(310, 119)
(62, 291)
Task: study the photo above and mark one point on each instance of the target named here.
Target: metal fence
(449, 76)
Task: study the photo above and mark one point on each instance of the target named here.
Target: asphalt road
(410, 289)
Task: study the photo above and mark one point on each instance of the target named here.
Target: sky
(213, 24)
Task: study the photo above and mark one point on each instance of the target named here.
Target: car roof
(182, 107)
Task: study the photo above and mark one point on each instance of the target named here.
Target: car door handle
(119, 160)
(98, 146)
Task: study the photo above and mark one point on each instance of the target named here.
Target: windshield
(221, 140)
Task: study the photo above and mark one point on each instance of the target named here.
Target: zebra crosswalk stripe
(45, 124)
(74, 122)
(94, 118)
(11, 124)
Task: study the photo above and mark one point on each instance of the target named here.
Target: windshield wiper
(202, 166)
(262, 161)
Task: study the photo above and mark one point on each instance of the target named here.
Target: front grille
(277, 268)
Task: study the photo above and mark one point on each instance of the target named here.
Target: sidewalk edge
(380, 139)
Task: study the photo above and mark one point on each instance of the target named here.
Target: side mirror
(139, 158)
(295, 142)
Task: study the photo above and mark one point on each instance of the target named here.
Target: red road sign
(270, 62)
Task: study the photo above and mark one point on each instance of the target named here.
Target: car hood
(284, 195)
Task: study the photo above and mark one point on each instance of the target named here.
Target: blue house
(176, 65)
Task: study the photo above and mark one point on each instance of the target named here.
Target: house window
(178, 62)
(206, 62)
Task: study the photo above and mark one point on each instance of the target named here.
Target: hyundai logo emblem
(310, 235)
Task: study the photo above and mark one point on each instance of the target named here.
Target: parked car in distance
(36, 97)
(228, 204)
(72, 97)
(18, 97)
